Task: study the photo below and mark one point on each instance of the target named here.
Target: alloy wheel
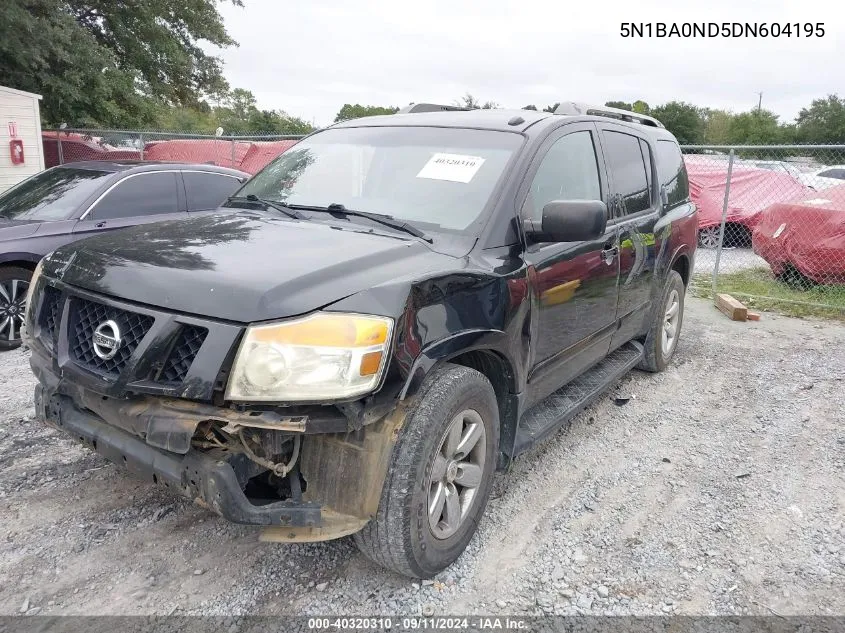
(12, 307)
(709, 237)
(670, 323)
(456, 473)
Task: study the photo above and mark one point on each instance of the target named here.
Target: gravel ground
(718, 488)
(732, 260)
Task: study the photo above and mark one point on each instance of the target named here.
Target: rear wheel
(439, 476)
(665, 330)
(14, 285)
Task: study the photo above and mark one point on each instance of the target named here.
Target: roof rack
(429, 107)
(571, 108)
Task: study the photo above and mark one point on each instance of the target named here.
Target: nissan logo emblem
(106, 340)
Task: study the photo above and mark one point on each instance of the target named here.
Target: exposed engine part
(278, 469)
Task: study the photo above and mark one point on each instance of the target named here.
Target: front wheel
(14, 284)
(665, 330)
(439, 476)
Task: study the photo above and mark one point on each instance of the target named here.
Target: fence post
(59, 147)
(233, 154)
(722, 225)
(141, 144)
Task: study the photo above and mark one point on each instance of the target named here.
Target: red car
(752, 190)
(807, 237)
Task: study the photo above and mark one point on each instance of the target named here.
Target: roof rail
(429, 107)
(571, 108)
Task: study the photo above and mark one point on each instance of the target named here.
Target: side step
(545, 417)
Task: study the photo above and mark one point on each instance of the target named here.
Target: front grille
(85, 316)
(182, 355)
(51, 315)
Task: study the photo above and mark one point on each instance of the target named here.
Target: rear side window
(627, 171)
(208, 190)
(569, 171)
(140, 195)
(672, 172)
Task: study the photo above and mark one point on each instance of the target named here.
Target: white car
(824, 178)
(775, 165)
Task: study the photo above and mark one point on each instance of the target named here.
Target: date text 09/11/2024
(417, 623)
(722, 29)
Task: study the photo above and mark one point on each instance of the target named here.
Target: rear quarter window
(672, 172)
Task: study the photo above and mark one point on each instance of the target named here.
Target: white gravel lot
(718, 489)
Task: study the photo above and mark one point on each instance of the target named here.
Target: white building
(20, 129)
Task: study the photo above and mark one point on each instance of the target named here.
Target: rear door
(634, 209)
(136, 199)
(206, 191)
(573, 283)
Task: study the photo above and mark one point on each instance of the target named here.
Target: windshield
(439, 178)
(50, 195)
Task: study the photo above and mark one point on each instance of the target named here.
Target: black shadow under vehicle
(66, 203)
(396, 307)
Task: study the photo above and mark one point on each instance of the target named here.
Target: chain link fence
(771, 225)
(248, 153)
(771, 218)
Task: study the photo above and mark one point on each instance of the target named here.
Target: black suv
(390, 311)
(70, 202)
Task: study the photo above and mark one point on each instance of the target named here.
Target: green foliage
(755, 128)
(530, 107)
(100, 62)
(823, 122)
(551, 108)
(237, 113)
(620, 104)
(640, 107)
(684, 120)
(468, 101)
(349, 111)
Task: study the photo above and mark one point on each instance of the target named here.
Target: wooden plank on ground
(731, 307)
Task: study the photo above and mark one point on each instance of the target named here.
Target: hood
(239, 267)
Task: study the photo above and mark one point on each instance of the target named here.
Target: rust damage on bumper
(345, 475)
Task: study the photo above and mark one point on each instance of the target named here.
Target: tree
(470, 102)
(621, 105)
(530, 107)
(684, 120)
(349, 111)
(640, 107)
(99, 62)
(755, 128)
(823, 122)
(717, 127)
(551, 108)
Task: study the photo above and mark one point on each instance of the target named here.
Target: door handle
(609, 253)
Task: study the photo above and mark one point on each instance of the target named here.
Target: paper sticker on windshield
(452, 167)
(777, 233)
(817, 201)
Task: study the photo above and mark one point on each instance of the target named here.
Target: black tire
(400, 537)
(655, 359)
(11, 313)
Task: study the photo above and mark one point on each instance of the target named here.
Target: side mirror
(569, 221)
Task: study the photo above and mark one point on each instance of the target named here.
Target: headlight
(29, 291)
(321, 357)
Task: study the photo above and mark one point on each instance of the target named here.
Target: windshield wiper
(281, 207)
(380, 218)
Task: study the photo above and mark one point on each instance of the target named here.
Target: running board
(548, 415)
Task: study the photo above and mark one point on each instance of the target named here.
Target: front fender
(443, 350)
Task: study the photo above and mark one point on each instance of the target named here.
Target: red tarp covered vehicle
(77, 147)
(807, 236)
(752, 190)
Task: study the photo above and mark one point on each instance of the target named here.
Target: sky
(308, 58)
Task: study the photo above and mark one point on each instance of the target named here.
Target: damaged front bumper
(203, 477)
(150, 436)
